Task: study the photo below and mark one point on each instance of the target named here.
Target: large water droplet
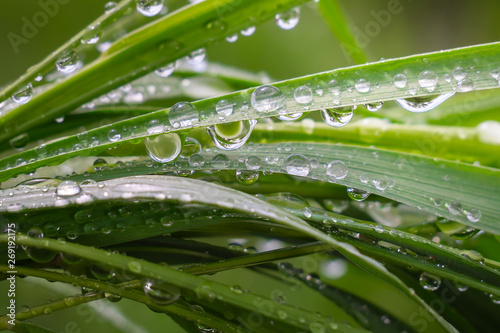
(247, 177)
(24, 95)
(231, 136)
(303, 95)
(338, 117)
(357, 194)
(337, 169)
(149, 7)
(183, 114)
(164, 148)
(114, 135)
(161, 293)
(253, 162)
(191, 146)
(68, 188)
(428, 80)
(423, 104)
(362, 86)
(266, 99)
(67, 63)
(430, 281)
(473, 215)
(455, 207)
(100, 164)
(297, 165)
(289, 19)
(399, 81)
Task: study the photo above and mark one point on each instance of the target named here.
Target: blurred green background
(421, 26)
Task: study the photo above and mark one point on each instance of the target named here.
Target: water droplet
(289, 19)
(92, 35)
(266, 99)
(399, 81)
(220, 161)
(183, 114)
(362, 86)
(458, 73)
(161, 293)
(231, 136)
(333, 87)
(68, 188)
(109, 7)
(253, 162)
(100, 164)
(114, 135)
(165, 71)
(337, 169)
(196, 160)
(373, 107)
(297, 165)
(423, 104)
(455, 208)
(164, 148)
(191, 146)
(149, 7)
(356, 194)
(67, 63)
(429, 281)
(197, 56)
(247, 177)
(303, 95)
(495, 74)
(224, 107)
(290, 117)
(232, 39)
(428, 80)
(23, 95)
(338, 117)
(465, 85)
(473, 215)
(248, 31)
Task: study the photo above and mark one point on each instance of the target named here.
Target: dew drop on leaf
(288, 20)
(67, 63)
(297, 165)
(68, 188)
(183, 114)
(423, 104)
(149, 8)
(231, 136)
(303, 95)
(399, 81)
(164, 148)
(337, 117)
(337, 169)
(247, 177)
(357, 194)
(429, 281)
(266, 99)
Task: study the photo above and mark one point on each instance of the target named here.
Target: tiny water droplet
(465, 85)
(67, 63)
(458, 73)
(149, 8)
(114, 135)
(373, 107)
(428, 80)
(297, 165)
(357, 194)
(164, 148)
(109, 7)
(161, 293)
(399, 81)
(338, 117)
(473, 215)
(247, 177)
(224, 107)
(68, 188)
(362, 86)
(455, 208)
(232, 38)
(253, 162)
(429, 281)
(220, 161)
(197, 56)
(92, 35)
(100, 164)
(248, 31)
(165, 71)
(24, 95)
(288, 20)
